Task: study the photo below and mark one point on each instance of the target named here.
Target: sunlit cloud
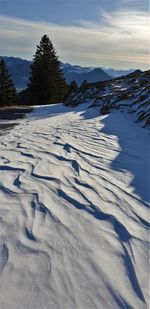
(118, 40)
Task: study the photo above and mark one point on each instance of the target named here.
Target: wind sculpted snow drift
(74, 211)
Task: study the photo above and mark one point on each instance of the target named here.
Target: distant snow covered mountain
(116, 73)
(79, 74)
(20, 68)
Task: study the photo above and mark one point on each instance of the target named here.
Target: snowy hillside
(130, 93)
(74, 210)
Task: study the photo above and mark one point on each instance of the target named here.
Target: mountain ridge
(20, 69)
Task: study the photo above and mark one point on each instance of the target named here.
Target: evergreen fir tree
(73, 86)
(8, 94)
(47, 84)
(84, 85)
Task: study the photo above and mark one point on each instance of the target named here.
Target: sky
(100, 33)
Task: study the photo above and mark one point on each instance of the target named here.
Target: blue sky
(111, 33)
(66, 11)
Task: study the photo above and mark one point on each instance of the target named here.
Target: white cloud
(119, 39)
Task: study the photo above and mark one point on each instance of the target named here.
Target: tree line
(46, 84)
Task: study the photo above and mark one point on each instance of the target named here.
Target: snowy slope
(130, 93)
(74, 211)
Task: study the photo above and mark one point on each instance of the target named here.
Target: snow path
(74, 211)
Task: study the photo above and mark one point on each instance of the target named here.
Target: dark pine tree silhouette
(84, 85)
(73, 86)
(8, 94)
(46, 84)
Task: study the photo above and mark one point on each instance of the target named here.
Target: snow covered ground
(74, 200)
